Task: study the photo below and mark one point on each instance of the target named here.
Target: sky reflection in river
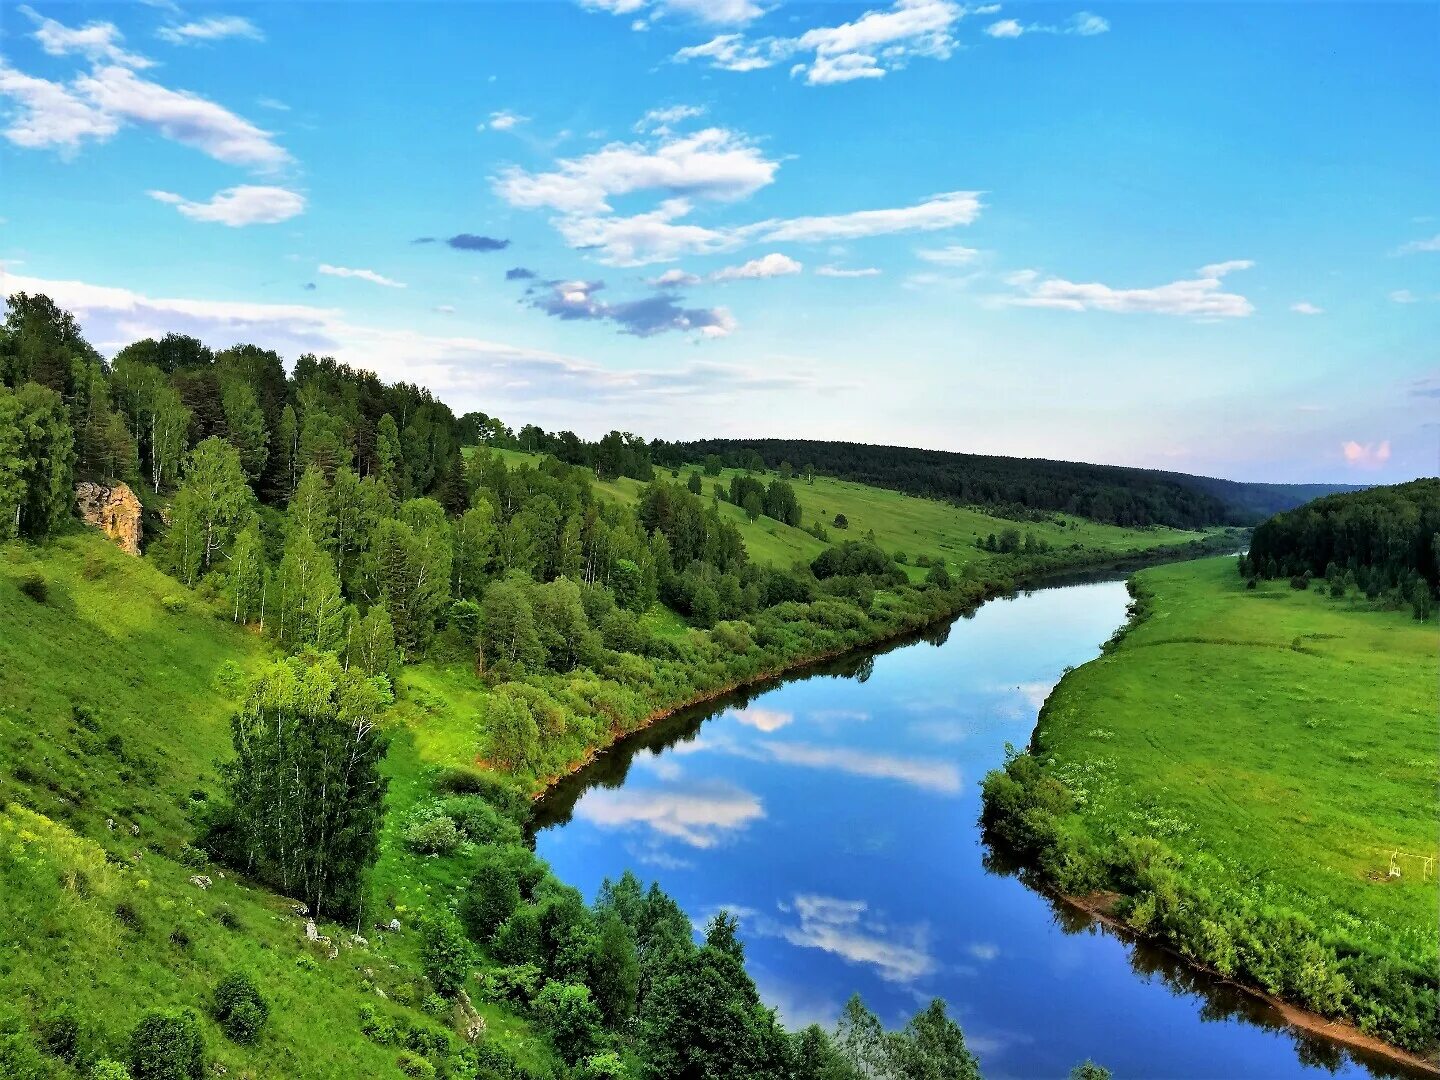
(836, 817)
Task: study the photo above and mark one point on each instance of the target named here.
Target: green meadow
(1281, 745)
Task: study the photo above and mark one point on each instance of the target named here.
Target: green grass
(1290, 735)
(138, 655)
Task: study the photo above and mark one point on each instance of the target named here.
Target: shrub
(35, 587)
(1300, 582)
(167, 1045)
(481, 823)
(431, 832)
(175, 605)
(239, 1009)
(445, 953)
(567, 1012)
(105, 1069)
(61, 1034)
(412, 1064)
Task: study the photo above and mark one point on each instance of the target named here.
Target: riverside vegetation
(1239, 772)
(362, 636)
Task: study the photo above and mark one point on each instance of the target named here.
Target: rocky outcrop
(115, 511)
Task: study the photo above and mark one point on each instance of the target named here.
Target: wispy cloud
(700, 815)
(847, 272)
(929, 774)
(213, 28)
(1200, 296)
(845, 928)
(238, 206)
(1304, 307)
(503, 120)
(950, 255)
(1416, 246)
(713, 12)
(360, 275)
(1082, 24)
(96, 41)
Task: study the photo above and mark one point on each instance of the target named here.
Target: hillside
(1239, 768)
(1016, 486)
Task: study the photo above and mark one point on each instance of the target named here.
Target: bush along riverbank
(541, 727)
(1208, 783)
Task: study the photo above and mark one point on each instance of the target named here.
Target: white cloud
(96, 41)
(925, 773)
(1416, 246)
(658, 236)
(767, 266)
(237, 206)
(700, 816)
(183, 117)
(841, 927)
(1366, 455)
(445, 309)
(50, 115)
(1403, 296)
(361, 275)
(937, 212)
(1196, 296)
(731, 52)
(503, 120)
(661, 121)
(1082, 24)
(843, 272)
(711, 164)
(674, 278)
(950, 255)
(714, 12)
(766, 720)
(645, 238)
(212, 28)
(1304, 307)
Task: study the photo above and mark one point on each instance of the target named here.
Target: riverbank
(966, 596)
(1230, 770)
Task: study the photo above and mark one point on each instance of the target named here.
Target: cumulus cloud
(237, 206)
(767, 266)
(712, 164)
(701, 815)
(51, 115)
(674, 278)
(96, 41)
(869, 47)
(1304, 307)
(360, 275)
(646, 317)
(503, 120)
(766, 720)
(1366, 455)
(845, 272)
(213, 28)
(1081, 24)
(1200, 296)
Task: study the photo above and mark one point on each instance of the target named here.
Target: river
(835, 813)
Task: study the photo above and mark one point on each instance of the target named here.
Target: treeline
(1389, 536)
(1011, 487)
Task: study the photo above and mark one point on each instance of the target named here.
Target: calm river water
(836, 812)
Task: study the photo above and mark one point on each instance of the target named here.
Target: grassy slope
(1289, 734)
(105, 640)
(902, 523)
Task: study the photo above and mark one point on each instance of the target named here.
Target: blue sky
(1203, 237)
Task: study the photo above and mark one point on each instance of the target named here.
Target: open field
(1281, 745)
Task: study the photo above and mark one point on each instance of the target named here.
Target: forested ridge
(356, 531)
(1017, 487)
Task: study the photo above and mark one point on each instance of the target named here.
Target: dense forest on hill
(1016, 487)
(1390, 536)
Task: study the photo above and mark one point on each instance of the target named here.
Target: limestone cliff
(115, 511)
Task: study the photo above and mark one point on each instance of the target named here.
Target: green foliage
(167, 1045)
(445, 952)
(36, 462)
(238, 1007)
(571, 1018)
(304, 789)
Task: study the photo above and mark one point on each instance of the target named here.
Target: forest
(358, 528)
(1014, 487)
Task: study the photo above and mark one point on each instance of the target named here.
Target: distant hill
(1018, 486)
